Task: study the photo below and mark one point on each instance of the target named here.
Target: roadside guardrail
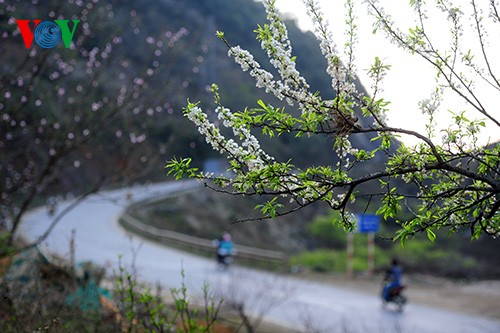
(197, 243)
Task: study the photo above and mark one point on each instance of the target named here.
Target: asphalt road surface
(299, 304)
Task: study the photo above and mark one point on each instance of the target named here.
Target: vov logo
(47, 34)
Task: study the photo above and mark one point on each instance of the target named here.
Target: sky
(410, 79)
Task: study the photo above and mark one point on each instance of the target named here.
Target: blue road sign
(367, 222)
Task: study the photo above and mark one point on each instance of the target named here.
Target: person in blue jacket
(393, 278)
(225, 250)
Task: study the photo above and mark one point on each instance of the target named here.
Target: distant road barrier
(196, 243)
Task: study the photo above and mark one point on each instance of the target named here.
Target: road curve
(299, 304)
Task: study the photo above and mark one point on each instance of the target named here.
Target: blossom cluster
(341, 77)
(279, 50)
(249, 152)
(292, 86)
(266, 80)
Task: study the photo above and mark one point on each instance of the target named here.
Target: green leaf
(269, 209)
(262, 104)
(430, 234)
(180, 168)
(402, 235)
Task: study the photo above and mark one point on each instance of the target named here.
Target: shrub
(320, 261)
(336, 261)
(421, 256)
(326, 233)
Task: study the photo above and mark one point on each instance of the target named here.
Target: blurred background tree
(75, 119)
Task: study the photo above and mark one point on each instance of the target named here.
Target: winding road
(299, 304)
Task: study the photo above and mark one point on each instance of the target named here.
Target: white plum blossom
(249, 147)
(279, 50)
(341, 77)
(264, 79)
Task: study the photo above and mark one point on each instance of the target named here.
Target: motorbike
(395, 297)
(225, 261)
(51, 206)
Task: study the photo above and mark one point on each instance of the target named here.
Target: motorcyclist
(51, 206)
(225, 250)
(393, 279)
